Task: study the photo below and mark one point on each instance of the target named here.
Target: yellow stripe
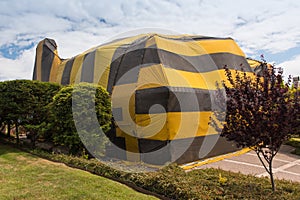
(131, 145)
(39, 54)
(150, 42)
(152, 76)
(60, 71)
(190, 166)
(253, 63)
(54, 67)
(156, 76)
(152, 126)
(132, 148)
(103, 60)
(76, 69)
(200, 47)
(168, 126)
(178, 125)
(220, 46)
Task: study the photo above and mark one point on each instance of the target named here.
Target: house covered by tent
(162, 88)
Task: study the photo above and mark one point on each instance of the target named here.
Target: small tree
(261, 113)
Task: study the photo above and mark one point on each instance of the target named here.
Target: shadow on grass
(5, 149)
(7, 145)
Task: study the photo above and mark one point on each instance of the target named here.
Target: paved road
(285, 165)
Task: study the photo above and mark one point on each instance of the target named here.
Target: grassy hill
(24, 176)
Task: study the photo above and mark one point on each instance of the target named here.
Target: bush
(82, 102)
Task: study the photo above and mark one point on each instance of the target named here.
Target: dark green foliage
(43, 93)
(22, 103)
(5, 108)
(45, 112)
(261, 113)
(69, 116)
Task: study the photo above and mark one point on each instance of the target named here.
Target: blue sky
(259, 27)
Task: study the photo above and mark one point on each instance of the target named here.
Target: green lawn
(24, 176)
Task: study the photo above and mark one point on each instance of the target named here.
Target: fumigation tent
(162, 89)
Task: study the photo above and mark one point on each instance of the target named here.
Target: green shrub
(91, 101)
(294, 142)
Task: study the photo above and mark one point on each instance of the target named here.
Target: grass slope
(24, 176)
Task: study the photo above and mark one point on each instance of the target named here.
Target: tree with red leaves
(261, 113)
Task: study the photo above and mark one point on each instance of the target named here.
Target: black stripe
(147, 146)
(47, 60)
(114, 67)
(146, 98)
(183, 150)
(203, 63)
(87, 71)
(197, 38)
(125, 58)
(188, 149)
(34, 77)
(51, 44)
(116, 150)
(174, 99)
(189, 100)
(65, 80)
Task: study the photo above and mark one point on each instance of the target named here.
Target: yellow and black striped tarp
(162, 88)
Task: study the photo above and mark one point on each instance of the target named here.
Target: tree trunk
(271, 175)
(268, 168)
(17, 134)
(33, 138)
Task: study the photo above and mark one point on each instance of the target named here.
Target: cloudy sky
(260, 27)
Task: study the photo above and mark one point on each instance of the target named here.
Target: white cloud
(21, 68)
(291, 67)
(78, 25)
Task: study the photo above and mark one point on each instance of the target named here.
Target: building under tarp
(162, 89)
